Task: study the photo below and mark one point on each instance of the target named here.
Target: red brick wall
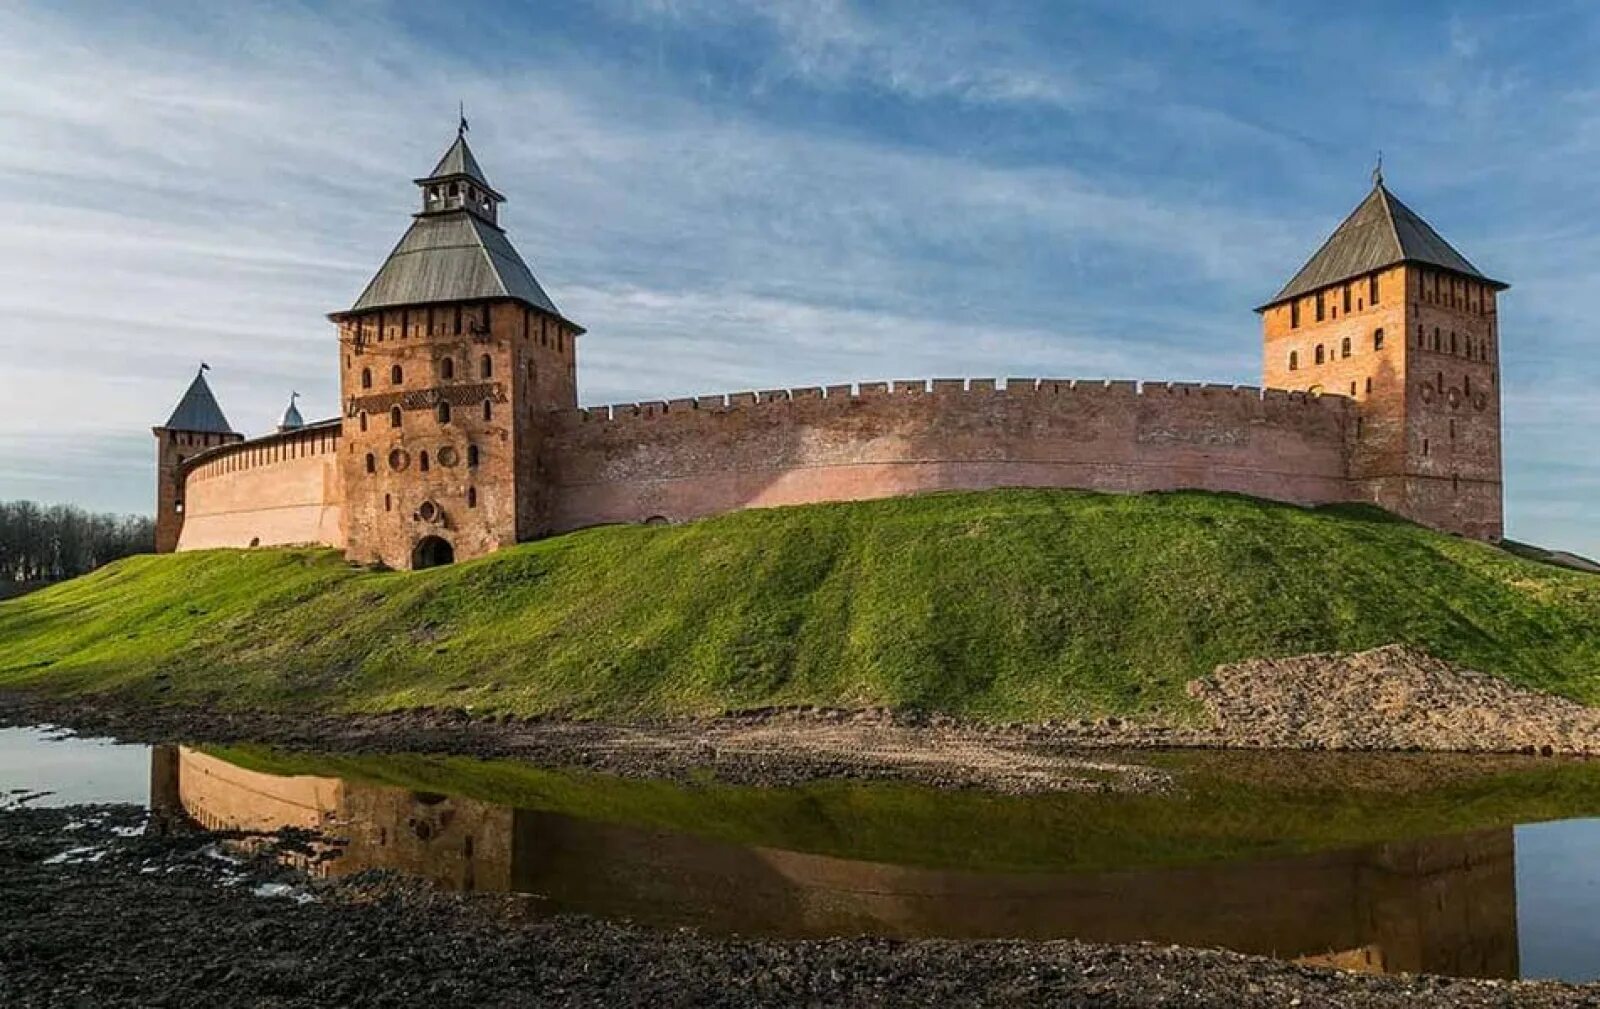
(441, 352)
(281, 489)
(1427, 443)
(173, 449)
(691, 458)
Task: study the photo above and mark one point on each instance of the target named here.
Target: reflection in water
(1441, 905)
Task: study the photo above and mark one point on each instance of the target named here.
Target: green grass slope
(998, 605)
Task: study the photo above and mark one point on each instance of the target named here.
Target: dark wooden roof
(1379, 233)
(198, 411)
(455, 256)
(458, 162)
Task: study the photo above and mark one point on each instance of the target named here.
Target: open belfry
(460, 431)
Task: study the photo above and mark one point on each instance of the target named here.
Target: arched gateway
(432, 551)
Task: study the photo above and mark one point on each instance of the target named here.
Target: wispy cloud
(877, 191)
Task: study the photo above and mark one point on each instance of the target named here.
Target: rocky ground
(1387, 699)
(96, 911)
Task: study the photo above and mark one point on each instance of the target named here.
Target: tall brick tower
(196, 423)
(450, 362)
(1388, 313)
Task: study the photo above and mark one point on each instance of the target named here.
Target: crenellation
(461, 430)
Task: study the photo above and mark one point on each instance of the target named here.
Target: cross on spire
(1377, 171)
(461, 119)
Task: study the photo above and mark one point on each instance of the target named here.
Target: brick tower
(450, 361)
(196, 423)
(1389, 314)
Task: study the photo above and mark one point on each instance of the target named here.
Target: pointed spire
(455, 250)
(292, 421)
(1379, 233)
(198, 411)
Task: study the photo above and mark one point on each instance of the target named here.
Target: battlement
(319, 438)
(951, 389)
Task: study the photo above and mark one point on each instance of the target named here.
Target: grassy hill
(1000, 605)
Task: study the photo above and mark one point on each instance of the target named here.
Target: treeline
(46, 543)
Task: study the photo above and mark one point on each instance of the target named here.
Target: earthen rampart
(279, 489)
(687, 458)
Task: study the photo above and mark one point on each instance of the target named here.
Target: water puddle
(43, 767)
(1483, 867)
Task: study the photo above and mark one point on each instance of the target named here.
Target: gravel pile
(1394, 698)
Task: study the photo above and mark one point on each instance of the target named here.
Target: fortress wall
(277, 490)
(691, 458)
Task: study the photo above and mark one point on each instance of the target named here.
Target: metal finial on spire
(1377, 171)
(204, 367)
(461, 119)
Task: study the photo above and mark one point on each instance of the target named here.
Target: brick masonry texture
(460, 432)
(693, 458)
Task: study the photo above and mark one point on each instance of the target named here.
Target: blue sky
(748, 195)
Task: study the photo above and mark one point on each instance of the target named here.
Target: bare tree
(40, 544)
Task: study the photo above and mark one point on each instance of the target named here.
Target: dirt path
(93, 913)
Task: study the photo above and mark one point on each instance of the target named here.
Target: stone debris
(114, 934)
(1392, 698)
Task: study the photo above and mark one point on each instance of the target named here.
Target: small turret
(292, 421)
(196, 424)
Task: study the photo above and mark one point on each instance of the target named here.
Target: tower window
(1294, 314)
(1320, 307)
(1424, 446)
(1377, 339)
(1294, 360)
(486, 367)
(488, 410)
(472, 497)
(1321, 354)
(1352, 390)
(447, 368)
(1466, 384)
(1440, 381)
(1452, 429)
(366, 378)
(388, 503)
(363, 420)
(1372, 289)
(394, 416)
(422, 460)
(1347, 299)
(396, 376)
(1369, 385)
(472, 455)
(1344, 347)
(1436, 338)
(1419, 335)
(444, 413)
(372, 463)
(1453, 348)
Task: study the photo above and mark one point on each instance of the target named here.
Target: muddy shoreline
(157, 918)
(1386, 700)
